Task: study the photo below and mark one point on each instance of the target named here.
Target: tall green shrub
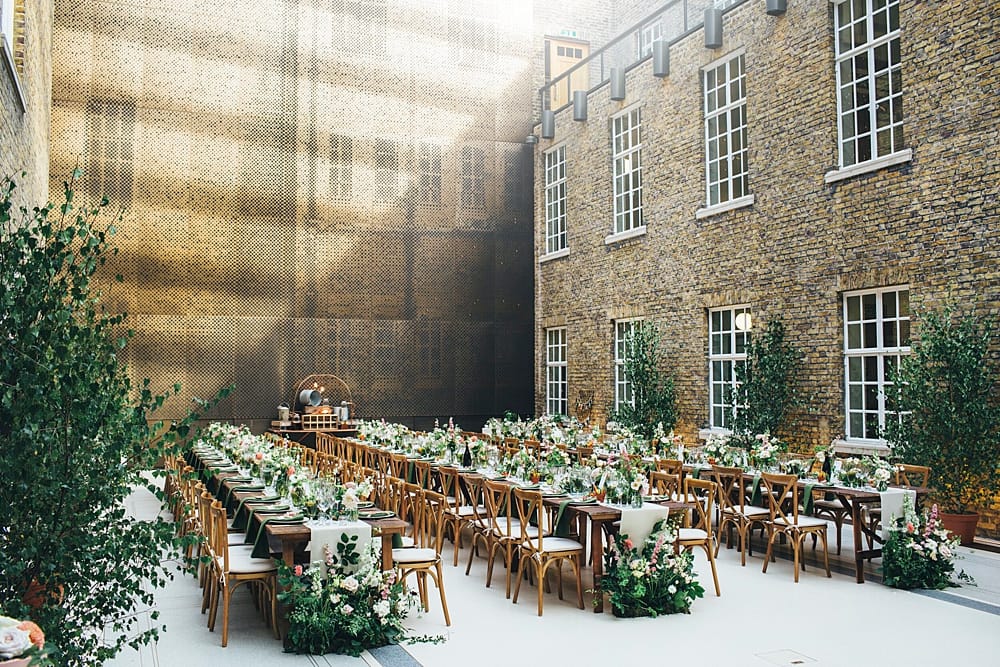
(654, 399)
(766, 389)
(74, 438)
(946, 392)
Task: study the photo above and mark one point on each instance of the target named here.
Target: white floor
(761, 619)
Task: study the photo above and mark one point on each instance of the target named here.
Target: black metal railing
(677, 19)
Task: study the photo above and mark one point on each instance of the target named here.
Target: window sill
(553, 255)
(862, 447)
(624, 236)
(8, 58)
(730, 205)
(867, 167)
(706, 433)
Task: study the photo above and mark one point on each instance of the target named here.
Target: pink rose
(298, 570)
(351, 485)
(628, 543)
(291, 471)
(258, 456)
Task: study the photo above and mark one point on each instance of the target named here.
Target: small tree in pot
(951, 415)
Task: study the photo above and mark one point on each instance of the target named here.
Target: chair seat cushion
(405, 542)
(414, 555)
(692, 534)
(559, 545)
(803, 522)
(237, 539)
(749, 510)
(832, 505)
(241, 562)
(467, 511)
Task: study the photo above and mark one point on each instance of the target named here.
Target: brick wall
(24, 127)
(931, 223)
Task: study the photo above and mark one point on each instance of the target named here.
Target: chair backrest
(411, 504)
(732, 492)
(324, 443)
(397, 462)
(531, 511)
(219, 538)
(497, 496)
(665, 483)
(583, 453)
(307, 458)
(434, 505)
(392, 498)
(912, 475)
(450, 485)
(702, 492)
(382, 461)
(672, 466)
(778, 489)
(422, 473)
(474, 496)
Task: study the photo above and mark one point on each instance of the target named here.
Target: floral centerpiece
(668, 445)
(718, 451)
(355, 607)
(649, 579)
(22, 643)
(621, 480)
(867, 471)
(919, 553)
(764, 451)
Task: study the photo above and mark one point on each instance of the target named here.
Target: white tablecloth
(638, 522)
(329, 535)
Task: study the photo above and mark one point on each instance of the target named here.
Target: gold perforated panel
(312, 186)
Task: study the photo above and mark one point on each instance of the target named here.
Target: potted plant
(951, 414)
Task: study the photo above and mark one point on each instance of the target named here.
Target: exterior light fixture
(743, 321)
(548, 124)
(579, 105)
(661, 59)
(713, 28)
(777, 7)
(617, 83)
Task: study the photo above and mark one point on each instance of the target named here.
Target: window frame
(880, 352)
(625, 325)
(472, 177)
(556, 371)
(341, 167)
(629, 220)
(555, 197)
(712, 113)
(733, 358)
(896, 153)
(8, 26)
(429, 166)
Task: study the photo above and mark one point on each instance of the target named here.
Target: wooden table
(295, 537)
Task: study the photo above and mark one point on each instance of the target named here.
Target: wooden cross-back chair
(782, 493)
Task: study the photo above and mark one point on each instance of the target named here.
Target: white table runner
(638, 522)
(892, 507)
(328, 534)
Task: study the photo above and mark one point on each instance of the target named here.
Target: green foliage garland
(766, 384)
(654, 400)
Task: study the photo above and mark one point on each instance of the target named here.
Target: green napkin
(260, 546)
(695, 473)
(241, 516)
(807, 499)
(755, 490)
(562, 518)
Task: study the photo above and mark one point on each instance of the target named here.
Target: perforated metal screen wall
(320, 186)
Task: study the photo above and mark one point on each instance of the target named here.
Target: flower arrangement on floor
(649, 579)
(22, 643)
(919, 553)
(355, 607)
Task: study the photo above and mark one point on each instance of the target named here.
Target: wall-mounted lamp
(617, 83)
(661, 59)
(548, 124)
(777, 7)
(579, 105)
(743, 321)
(531, 140)
(713, 28)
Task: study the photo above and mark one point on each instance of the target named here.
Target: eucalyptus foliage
(766, 385)
(654, 397)
(946, 391)
(74, 437)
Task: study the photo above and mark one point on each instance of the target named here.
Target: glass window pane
(871, 397)
(854, 369)
(853, 308)
(869, 306)
(871, 369)
(889, 334)
(904, 333)
(904, 303)
(889, 304)
(853, 336)
(855, 396)
(871, 334)
(857, 425)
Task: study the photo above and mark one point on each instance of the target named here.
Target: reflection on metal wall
(332, 186)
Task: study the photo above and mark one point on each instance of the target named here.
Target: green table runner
(261, 549)
(562, 517)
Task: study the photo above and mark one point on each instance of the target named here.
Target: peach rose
(34, 632)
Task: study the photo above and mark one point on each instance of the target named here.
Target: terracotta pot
(16, 662)
(37, 595)
(962, 525)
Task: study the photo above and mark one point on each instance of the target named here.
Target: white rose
(382, 608)
(350, 584)
(13, 642)
(671, 589)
